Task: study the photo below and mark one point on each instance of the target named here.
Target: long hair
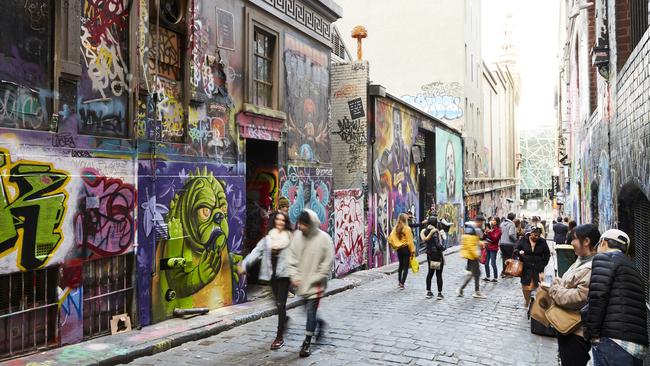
(402, 224)
(287, 223)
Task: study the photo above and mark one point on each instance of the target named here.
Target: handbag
(483, 256)
(514, 267)
(539, 305)
(435, 265)
(415, 265)
(564, 321)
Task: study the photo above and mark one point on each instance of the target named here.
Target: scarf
(279, 239)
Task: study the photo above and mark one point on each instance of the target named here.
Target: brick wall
(349, 136)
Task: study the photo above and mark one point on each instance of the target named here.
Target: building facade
(604, 118)
(390, 158)
(142, 146)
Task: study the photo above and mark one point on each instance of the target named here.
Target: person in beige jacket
(571, 293)
(311, 256)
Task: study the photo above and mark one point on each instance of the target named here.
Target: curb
(335, 286)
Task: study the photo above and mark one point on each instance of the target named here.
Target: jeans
(403, 254)
(475, 271)
(312, 318)
(491, 260)
(609, 353)
(573, 349)
(438, 273)
(280, 288)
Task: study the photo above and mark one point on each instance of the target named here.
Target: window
(338, 48)
(631, 24)
(26, 64)
(263, 52)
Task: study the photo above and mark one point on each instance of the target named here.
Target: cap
(616, 235)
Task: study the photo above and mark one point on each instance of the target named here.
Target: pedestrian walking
(560, 231)
(571, 233)
(273, 253)
(311, 257)
(508, 240)
(492, 237)
(534, 254)
(571, 291)
(615, 317)
(470, 249)
(431, 236)
(401, 240)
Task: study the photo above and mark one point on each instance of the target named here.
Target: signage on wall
(225, 30)
(356, 108)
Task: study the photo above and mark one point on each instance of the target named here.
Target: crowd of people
(598, 304)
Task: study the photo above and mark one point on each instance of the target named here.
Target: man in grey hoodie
(508, 240)
(311, 257)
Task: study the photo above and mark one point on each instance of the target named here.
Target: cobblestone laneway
(379, 324)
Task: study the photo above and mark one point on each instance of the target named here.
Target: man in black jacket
(615, 316)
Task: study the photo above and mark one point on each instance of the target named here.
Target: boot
(305, 350)
(320, 329)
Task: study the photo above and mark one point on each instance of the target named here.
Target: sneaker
(486, 279)
(495, 280)
(440, 296)
(429, 294)
(478, 295)
(277, 343)
(401, 286)
(459, 292)
(305, 349)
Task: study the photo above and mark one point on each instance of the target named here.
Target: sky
(535, 35)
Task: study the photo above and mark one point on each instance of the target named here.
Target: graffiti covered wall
(307, 100)
(449, 167)
(350, 235)
(195, 212)
(309, 188)
(395, 184)
(441, 100)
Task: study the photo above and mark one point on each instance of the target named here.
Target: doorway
(261, 191)
(427, 175)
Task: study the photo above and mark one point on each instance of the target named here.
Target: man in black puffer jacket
(615, 316)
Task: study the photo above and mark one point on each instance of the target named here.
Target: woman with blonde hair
(401, 240)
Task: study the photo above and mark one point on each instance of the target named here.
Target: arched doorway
(634, 219)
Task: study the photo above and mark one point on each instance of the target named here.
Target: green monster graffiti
(31, 212)
(198, 232)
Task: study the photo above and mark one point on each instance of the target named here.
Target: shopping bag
(483, 256)
(415, 265)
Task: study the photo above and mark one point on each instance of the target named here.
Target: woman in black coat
(534, 253)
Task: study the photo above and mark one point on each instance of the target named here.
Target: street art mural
(209, 131)
(451, 213)
(394, 176)
(307, 96)
(441, 100)
(449, 167)
(261, 200)
(104, 85)
(26, 64)
(33, 203)
(309, 188)
(196, 214)
(349, 231)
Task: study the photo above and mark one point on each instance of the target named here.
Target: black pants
(280, 287)
(506, 253)
(574, 350)
(438, 273)
(403, 254)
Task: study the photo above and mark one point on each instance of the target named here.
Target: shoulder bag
(514, 267)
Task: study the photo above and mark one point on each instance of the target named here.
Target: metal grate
(108, 291)
(28, 311)
(639, 21)
(641, 239)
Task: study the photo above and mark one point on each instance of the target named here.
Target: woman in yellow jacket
(401, 240)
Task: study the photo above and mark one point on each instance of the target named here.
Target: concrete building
(390, 158)
(604, 118)
(141, 149)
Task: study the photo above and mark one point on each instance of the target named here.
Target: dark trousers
(506, 253)
(473, 267)
(280, 288)
(574, 350)
(403, 254)
(312, 318)
(491, 261)
(438, 273)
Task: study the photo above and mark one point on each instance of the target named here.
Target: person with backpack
(431, 237)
